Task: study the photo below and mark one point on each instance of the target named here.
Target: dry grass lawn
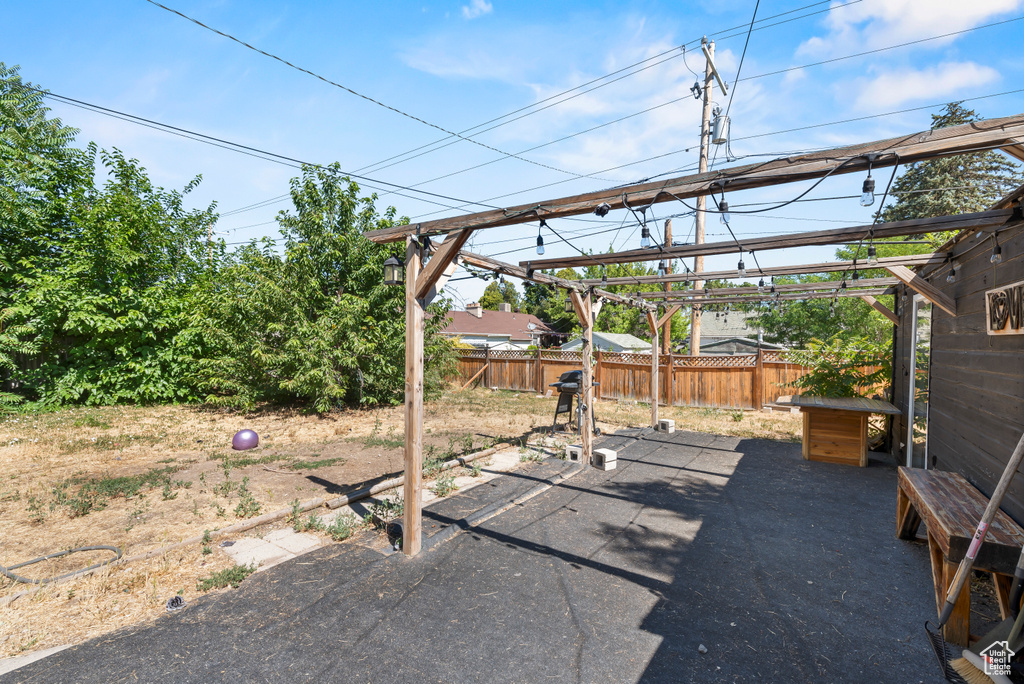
(141, 478)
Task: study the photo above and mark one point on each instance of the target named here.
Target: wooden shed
(961, 376)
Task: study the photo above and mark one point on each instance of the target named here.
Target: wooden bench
(950, 508)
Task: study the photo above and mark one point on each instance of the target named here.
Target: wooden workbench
(836, 428)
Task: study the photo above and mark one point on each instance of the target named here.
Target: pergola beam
(881, 308)
(780, 287)
(905, 149)
(795, 296)
(440, 261)
(925, 289)
(823, 267)
(480, 261)
(975, 221)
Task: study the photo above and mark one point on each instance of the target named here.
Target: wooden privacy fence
(739, 381)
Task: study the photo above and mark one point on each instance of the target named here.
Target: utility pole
(705, 142)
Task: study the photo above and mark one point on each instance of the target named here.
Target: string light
(724, 216)
(872, 256)
(741, 270)
(645, 237)
(760, 285)
(662, 270)
(602, 209)
(997, 252)
(951, 278)
(867, 197)
(604, 280)
(540, 238)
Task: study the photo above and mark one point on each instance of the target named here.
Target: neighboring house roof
(728, 325)
(516, 326)
(603, 340)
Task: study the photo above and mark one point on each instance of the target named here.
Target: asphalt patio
(700, 558)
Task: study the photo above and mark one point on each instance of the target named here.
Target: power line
(360, 95)
(681, 47)
(882, 49)
(243, 149)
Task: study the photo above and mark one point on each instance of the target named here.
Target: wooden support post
(583, 304)
(924, 288)
(652, 321)
(758, 389)
(487, 365)
(882, 309)
(412, 529)
(599, 373)
(666, 343)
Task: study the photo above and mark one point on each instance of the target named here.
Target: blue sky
(458, 64)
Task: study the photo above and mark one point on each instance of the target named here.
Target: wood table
(836, 428)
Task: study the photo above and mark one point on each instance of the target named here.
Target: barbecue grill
(569, 385)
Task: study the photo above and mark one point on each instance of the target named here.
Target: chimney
(505, 306)
(475, 309)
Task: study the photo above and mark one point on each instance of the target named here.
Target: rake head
(942, 653)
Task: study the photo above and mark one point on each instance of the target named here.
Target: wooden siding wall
(718, 381)
(976, 391)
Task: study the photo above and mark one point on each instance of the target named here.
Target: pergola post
(411, 529)
(652, 321)
(584, 306)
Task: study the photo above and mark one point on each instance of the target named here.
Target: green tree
(496, 293)
(315, 323)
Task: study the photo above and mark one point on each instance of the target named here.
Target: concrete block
(248, 551)
(292, 541)
(574, 452)
(605, 459)
(666, 425)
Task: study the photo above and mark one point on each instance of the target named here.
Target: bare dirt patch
(141, 478)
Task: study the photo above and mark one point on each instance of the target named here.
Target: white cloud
(894, 88)
(879, 23)
(477, 8)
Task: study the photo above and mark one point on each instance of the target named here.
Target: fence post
(487, 365)
(599, 375)
(758, 381)
(538, 374)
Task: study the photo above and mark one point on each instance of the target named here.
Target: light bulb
(604, 280)
(645, 237)
(856, 275)
(997, 255)
(724, 216)
(540, 244)
(867, 197)
(951, 278)
(760, 285)
(661, 269)
(872, 256)
(741, 270)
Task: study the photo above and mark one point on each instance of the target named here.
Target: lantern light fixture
(568, 305)
(394, 271)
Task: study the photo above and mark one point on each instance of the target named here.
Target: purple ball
(245, 439)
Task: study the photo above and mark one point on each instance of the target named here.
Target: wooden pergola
(428, 266)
